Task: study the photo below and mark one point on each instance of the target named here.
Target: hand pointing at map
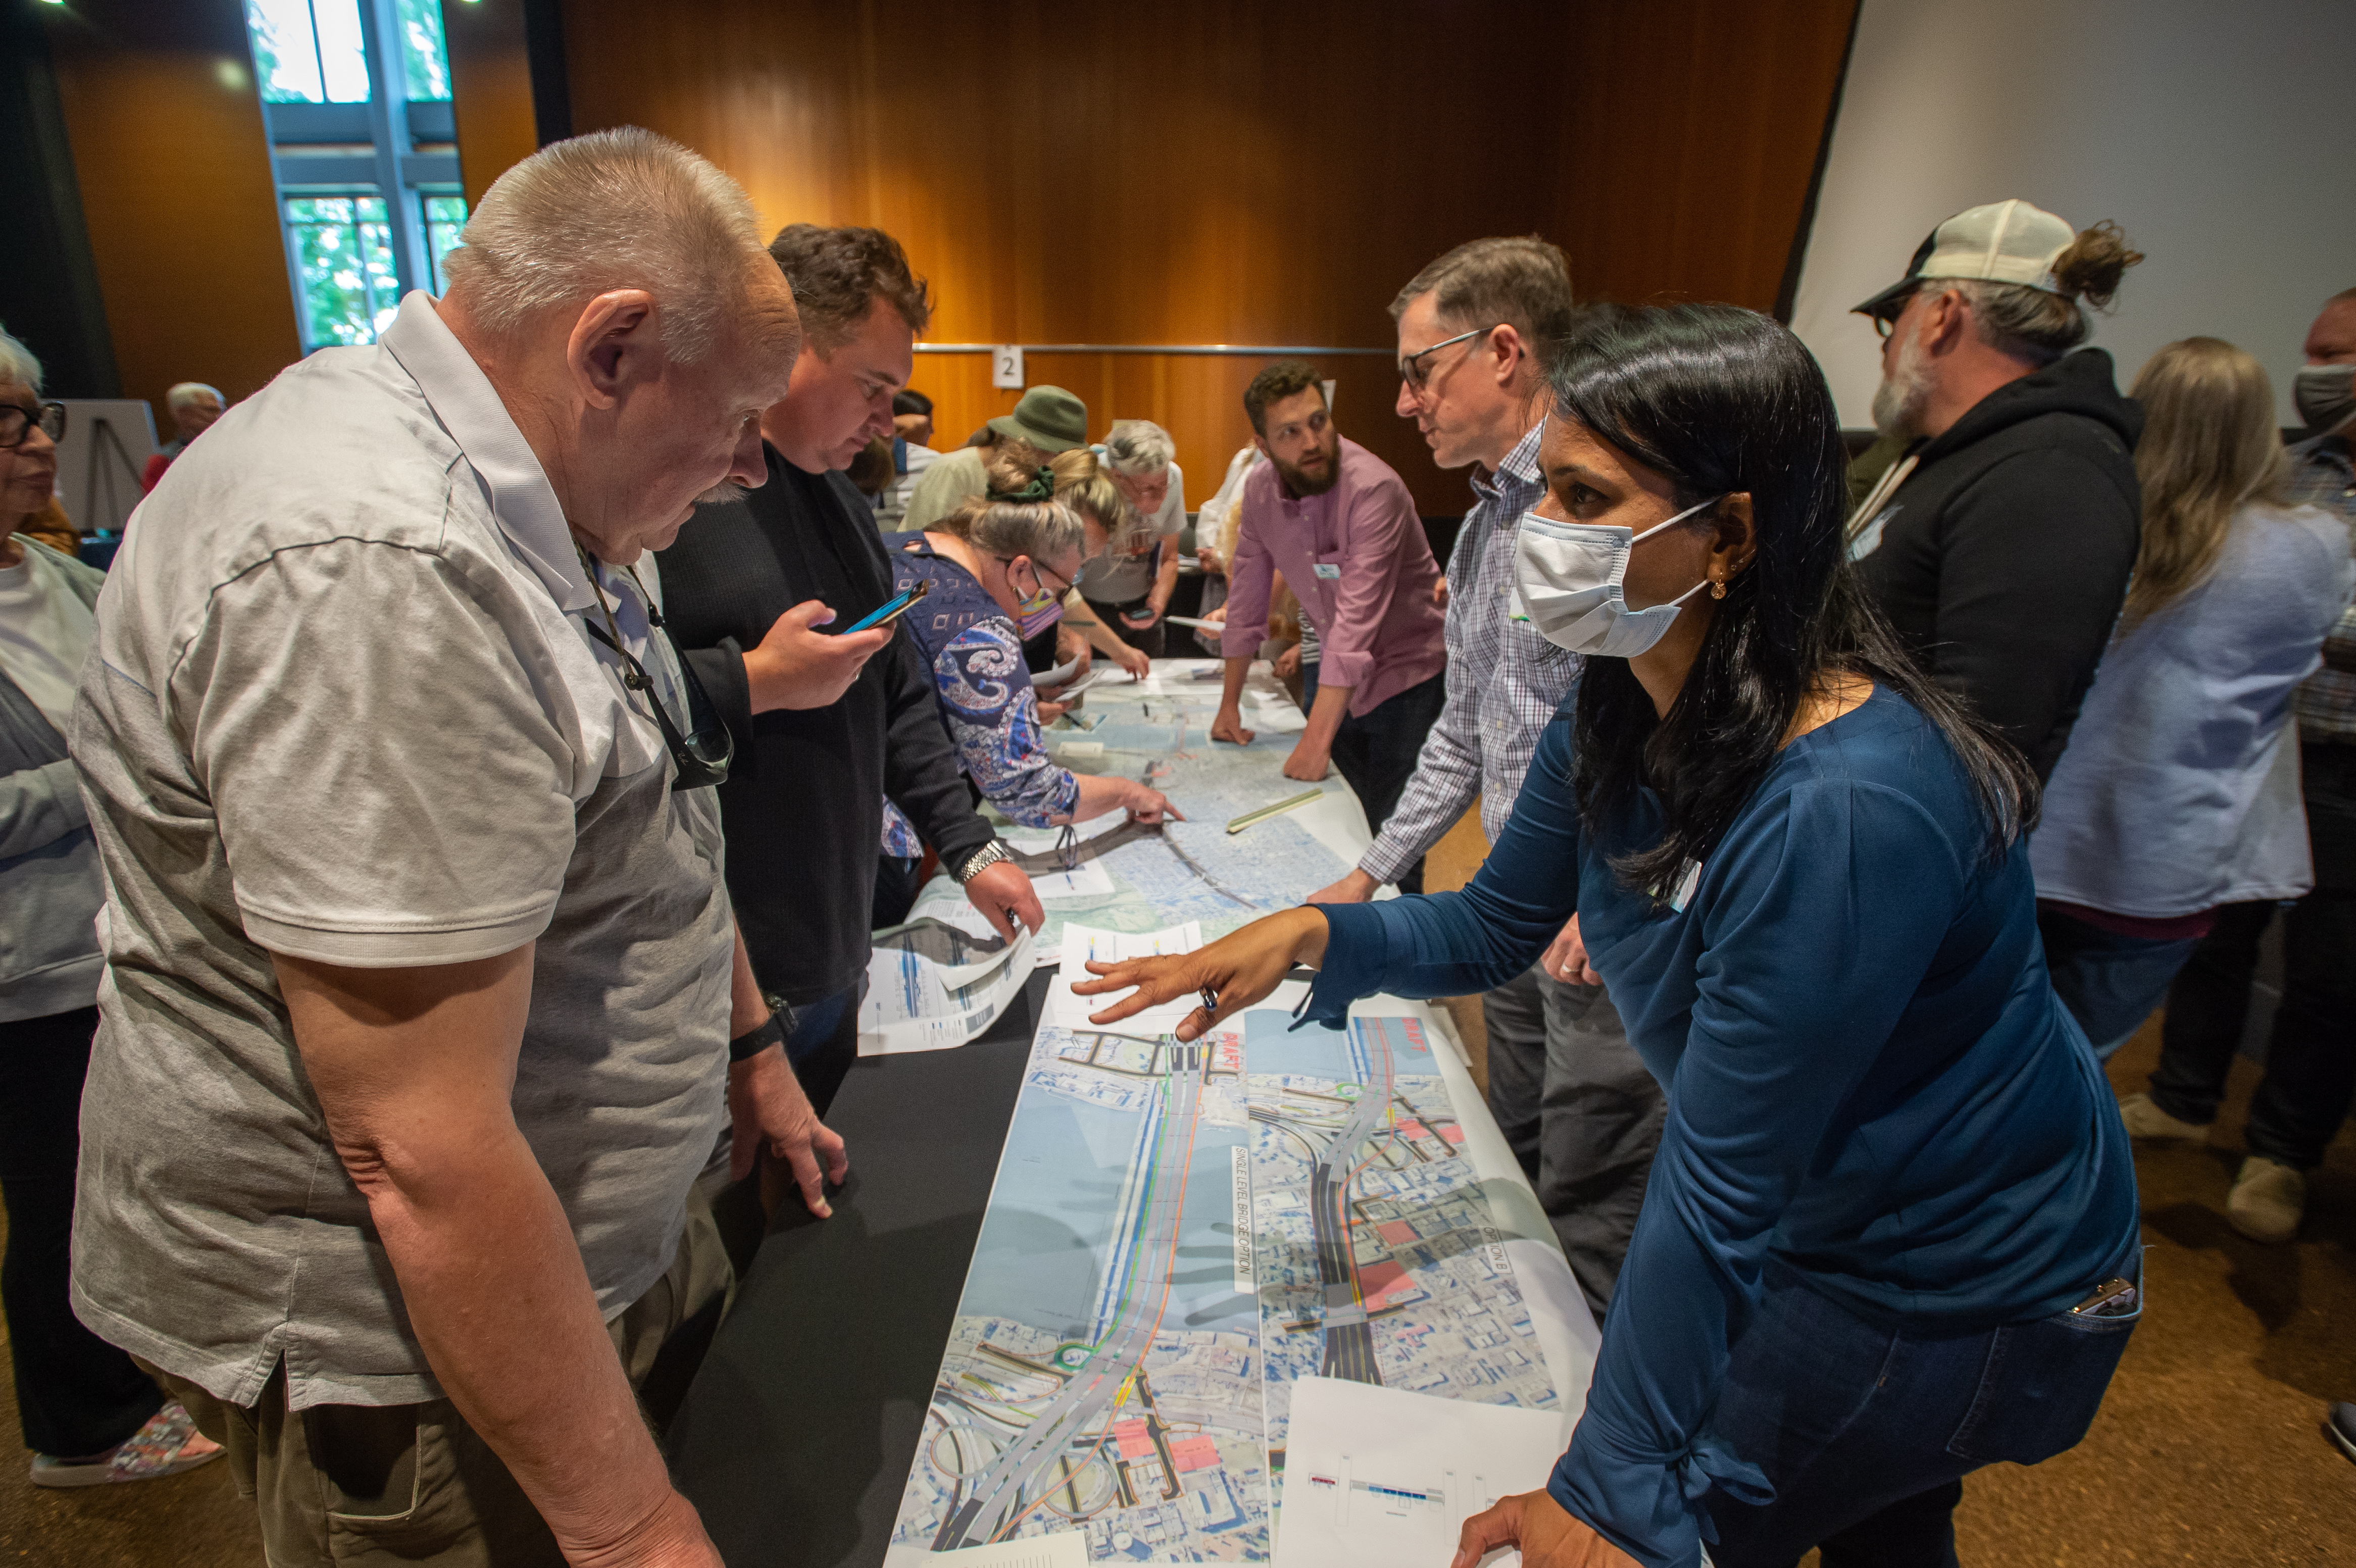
(1240, 968)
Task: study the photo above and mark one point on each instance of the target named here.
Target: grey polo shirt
(342, 706)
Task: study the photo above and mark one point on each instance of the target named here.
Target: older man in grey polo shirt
(422, 986)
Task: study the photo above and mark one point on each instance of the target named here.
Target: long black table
(795, 1439)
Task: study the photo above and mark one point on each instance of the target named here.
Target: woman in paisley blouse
(1000, 567)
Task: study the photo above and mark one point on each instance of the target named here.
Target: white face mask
(1566, 583)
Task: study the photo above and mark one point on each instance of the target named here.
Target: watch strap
(754, 1041)
(981, 860)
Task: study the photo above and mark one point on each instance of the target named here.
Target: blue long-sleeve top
(1872, 1088)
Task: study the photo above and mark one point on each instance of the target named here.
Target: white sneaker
(2268, 1200)
(2146, 1120)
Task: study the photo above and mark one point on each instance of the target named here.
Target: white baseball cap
(2003, 242)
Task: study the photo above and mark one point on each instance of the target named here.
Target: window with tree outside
(370, 201)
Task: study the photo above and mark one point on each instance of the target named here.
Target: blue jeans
(822, 1042)
(2110, 982)
(2310, 1080)
(1866, 1432)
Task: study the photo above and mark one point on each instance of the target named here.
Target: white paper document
(1172, 677)
(1379, 1477)
(1082, 943)
(931, 986)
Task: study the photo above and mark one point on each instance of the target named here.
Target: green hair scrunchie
(1041, 489)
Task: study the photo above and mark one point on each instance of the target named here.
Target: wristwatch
(772, 1031)
(983, 860)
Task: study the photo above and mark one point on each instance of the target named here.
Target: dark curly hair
(838, 273)
(1280, 381)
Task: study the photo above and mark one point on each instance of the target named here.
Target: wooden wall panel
(1230, 172)
(173, 166)
(1072, 173)
(1684, 168)
(490, 90)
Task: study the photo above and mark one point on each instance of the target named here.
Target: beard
(1302, 484)
(1898, 402)
(720, 494)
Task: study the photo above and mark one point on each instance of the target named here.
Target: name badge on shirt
(1868, 537)
(1685, 886)
(1328, 570)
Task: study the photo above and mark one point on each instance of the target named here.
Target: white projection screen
(2222, 137)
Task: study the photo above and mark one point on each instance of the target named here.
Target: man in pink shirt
(1338, 521)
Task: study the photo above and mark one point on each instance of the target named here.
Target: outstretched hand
(1242, 967)
(1547, 1534)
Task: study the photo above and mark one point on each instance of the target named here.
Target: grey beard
(720, 494)
(1898, 402)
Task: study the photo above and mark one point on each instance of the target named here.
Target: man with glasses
(2001, 540)
(424, 1005)
(753, 579)
(1338, 521)
(1573, 1099)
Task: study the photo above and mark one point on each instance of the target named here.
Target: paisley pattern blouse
(987, 701)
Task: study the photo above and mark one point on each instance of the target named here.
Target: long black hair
(1717, 400)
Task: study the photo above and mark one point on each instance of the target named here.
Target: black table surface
(796, 1437)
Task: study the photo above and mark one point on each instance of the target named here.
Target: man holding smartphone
(759, 585)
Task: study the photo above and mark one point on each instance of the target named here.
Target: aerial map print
(1133, 878)
(1177, 1234)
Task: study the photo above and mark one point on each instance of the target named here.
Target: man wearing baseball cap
(2001, 542)
(1049, 418)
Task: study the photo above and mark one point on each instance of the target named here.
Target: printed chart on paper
(1179, 1233)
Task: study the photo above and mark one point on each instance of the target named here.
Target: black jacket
(803, 805)
(2003, 559)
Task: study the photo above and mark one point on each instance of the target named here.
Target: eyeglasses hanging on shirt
(699, 759)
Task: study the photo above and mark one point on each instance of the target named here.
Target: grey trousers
(1581, 1113)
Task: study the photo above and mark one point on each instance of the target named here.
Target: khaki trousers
(414, 1484)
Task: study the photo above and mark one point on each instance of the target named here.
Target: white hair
(186, 392)
(613, 209)
(1138, 448)
(19, 368)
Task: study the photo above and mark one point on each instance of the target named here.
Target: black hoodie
(2003, 557)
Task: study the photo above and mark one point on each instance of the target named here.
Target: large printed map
(1158, 732)
(1177, 1234)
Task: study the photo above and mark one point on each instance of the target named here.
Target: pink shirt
(1378, 632)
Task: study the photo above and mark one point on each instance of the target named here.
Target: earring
(1717, 588)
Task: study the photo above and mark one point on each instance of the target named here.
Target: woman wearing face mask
(999, 567)
(1890, 1235)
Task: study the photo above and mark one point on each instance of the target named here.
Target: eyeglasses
(699, 759)
(1885, 318)
(17, 421)
(1417, 374)
(1038, 566)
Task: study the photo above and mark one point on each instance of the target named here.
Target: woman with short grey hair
(1130, 584)
(89, 1415)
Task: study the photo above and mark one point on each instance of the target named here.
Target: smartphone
(892, 610)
